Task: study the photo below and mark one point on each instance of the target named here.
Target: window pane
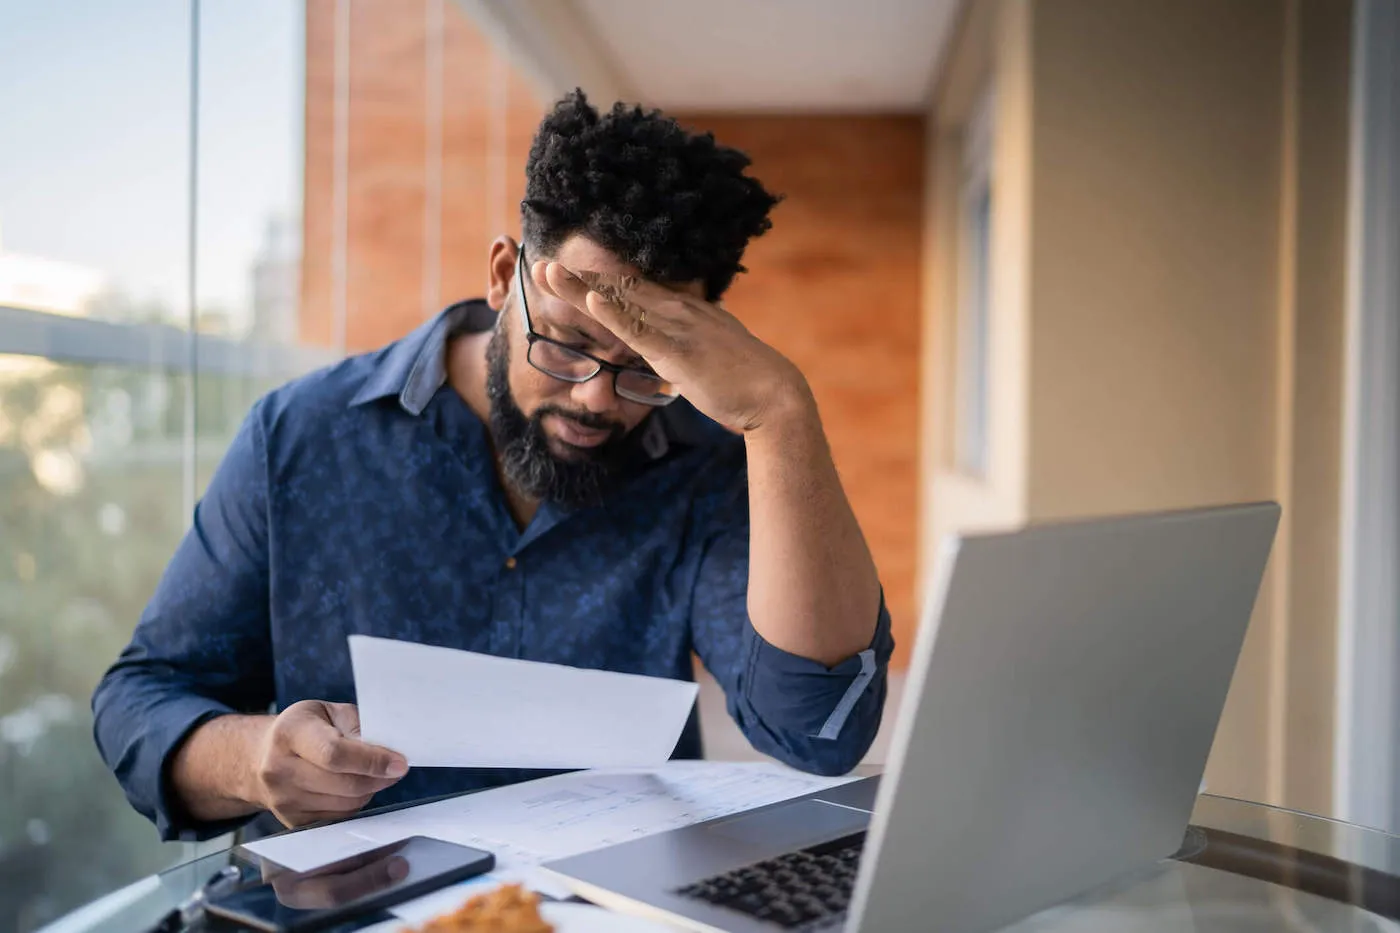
(248, 272)
(221, 405)
(90, 507)
(95, 473)
(93, 208)
(93, 193)
(251, 116)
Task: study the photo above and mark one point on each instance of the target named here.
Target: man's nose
(596, 395)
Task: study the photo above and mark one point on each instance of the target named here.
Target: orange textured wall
(467, 123)
(835, 286)
(317, 222)
(477, 124)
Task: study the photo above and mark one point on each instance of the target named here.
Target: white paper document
(444, 708)
(526, 824)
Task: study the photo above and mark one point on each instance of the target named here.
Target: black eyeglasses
(570, 364)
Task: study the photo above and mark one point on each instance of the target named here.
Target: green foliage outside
(91, 508)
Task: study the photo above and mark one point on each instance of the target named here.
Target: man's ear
(500, 271)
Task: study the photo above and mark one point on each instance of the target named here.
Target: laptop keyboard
(800, 889)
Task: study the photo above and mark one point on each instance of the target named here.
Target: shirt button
(510, 563)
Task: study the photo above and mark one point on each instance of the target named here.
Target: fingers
(345, 717)
(298, 807)
(633, 327)
(298, 772)
(573, 287)
(313, 767)
(324, 746)
(626, 289)
(560, 282)
(295, 784)
(633, 324)
(629, 294)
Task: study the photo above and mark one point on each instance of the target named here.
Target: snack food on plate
(507, 909)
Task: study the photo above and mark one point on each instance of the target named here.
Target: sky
(94, 137)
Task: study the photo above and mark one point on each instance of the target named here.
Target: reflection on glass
(249, 158)
(90, 462)
(221, 404)
(95, 218)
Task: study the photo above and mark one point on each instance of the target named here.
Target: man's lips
(575, 434)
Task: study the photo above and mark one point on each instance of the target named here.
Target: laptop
(1060, 705)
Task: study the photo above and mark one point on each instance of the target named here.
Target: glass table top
(1242, 867)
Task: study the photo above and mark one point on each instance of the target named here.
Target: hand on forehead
(573, 285)
(641, 314)
(610, 285)
(699, 348)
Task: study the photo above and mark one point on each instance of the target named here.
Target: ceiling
(740, 55)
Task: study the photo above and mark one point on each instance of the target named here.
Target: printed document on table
(566, 814)
(444, 708)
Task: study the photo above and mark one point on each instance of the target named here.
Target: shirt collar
(415, 367)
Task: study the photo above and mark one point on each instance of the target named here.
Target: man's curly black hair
(676, 205)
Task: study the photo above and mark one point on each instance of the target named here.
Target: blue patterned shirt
(364, 499)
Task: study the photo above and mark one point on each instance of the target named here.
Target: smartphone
(295, 902)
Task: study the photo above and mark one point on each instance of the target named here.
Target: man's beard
(529, 466)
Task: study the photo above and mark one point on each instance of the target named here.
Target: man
(518, 477)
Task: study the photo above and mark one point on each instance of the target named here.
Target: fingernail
(398, 868)
(397, 768)
(568, 274)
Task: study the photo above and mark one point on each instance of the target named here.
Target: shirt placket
(508, 608)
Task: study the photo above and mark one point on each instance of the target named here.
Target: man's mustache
(584, 419)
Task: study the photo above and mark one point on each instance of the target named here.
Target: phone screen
(290, 902)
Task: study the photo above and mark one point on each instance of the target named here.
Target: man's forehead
(606, 271)
(581, 254)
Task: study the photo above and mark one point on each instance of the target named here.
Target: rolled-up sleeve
(201, 648)
(813, 717)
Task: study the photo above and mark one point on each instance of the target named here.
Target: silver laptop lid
(1062, 699)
